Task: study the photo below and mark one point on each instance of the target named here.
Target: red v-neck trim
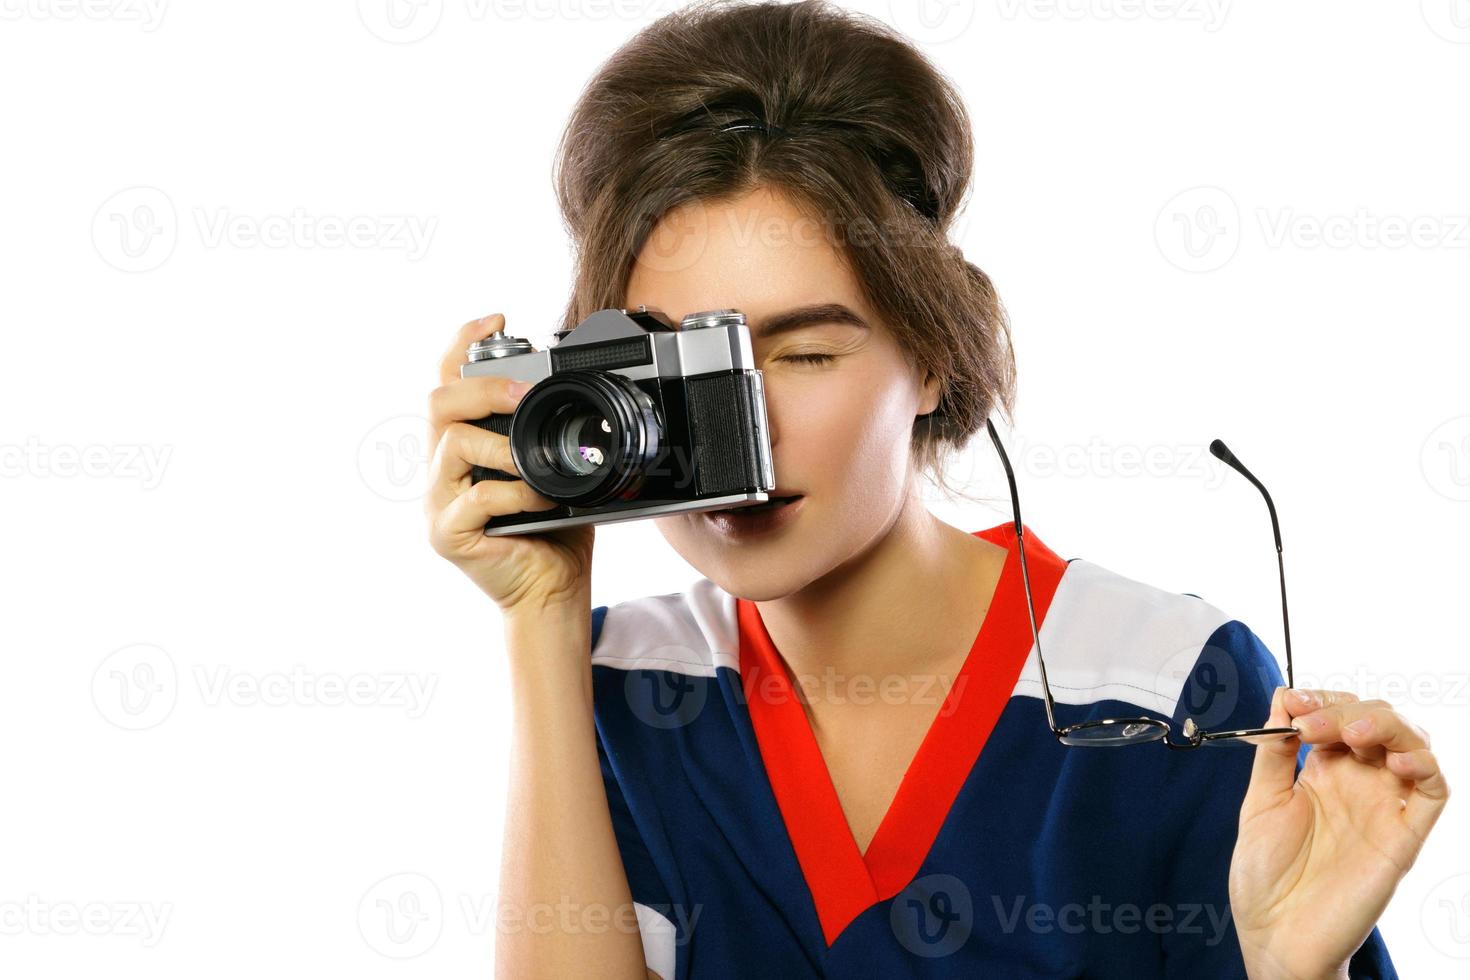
(843, 881)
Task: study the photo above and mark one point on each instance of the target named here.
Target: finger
(469, 512)
(1301, 701)
(461, 448)
(1413, 765)
(1326, 727)
(456, 354)
(1431, 792)
(1273, 773)
(473, 398)
(1380, 726)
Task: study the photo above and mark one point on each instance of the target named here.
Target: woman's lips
(757, 518)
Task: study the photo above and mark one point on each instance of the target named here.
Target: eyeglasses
(1134, 731)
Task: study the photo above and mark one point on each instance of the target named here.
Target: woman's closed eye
(807, 358)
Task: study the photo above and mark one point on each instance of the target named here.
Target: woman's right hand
(518, 571)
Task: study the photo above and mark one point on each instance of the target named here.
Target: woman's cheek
(813, 428)
(853, 451)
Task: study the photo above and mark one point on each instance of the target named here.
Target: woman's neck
(910, 602)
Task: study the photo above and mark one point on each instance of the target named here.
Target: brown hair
(850, 121)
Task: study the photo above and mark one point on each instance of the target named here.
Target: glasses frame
(1146, 728)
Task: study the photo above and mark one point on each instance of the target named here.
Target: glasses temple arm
(1223, 453)
(1025, 576)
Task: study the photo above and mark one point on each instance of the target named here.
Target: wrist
(534, 616)
(1261, 965)
(537, 607)
(548, 646)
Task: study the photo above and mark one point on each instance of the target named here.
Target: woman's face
(840, 397)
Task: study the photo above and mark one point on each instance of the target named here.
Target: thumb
(1273, 774)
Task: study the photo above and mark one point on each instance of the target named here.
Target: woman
(828, 755)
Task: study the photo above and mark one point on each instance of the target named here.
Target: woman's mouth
(755, 518)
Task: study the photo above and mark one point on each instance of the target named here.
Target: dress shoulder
(689, 632)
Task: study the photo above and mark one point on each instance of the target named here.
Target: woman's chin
(756, 572)
(750, 584)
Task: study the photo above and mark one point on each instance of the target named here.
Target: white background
(1206, 218)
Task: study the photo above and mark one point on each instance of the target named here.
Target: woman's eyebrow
(805, 316)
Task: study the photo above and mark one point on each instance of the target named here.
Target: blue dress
(1003, 854)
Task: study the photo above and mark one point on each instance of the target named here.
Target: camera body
(630, 417)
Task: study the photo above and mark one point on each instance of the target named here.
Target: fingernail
(1359, 727)
(1306, 698)
(518, 388)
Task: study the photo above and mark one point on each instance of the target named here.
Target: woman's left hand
(1318, 856)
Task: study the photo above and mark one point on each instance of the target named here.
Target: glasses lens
(1124, 731)
(581, 441)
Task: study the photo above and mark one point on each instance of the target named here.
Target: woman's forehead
(757, 253)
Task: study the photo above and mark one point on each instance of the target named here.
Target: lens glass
(1125, 731)
(580, 440)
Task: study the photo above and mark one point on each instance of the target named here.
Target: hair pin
(759, 125)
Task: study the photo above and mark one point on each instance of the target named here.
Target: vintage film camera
(631, 417)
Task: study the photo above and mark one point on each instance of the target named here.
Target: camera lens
(584, 437)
